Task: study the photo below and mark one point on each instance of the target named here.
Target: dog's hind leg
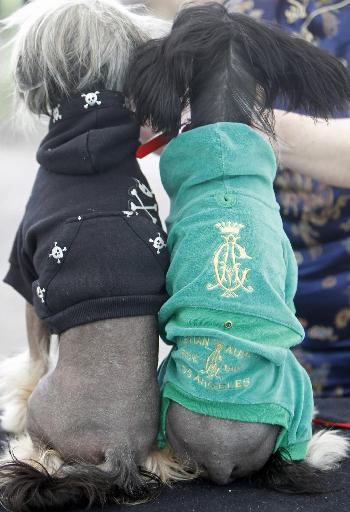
(19, 375)
(224, 449)
(92, 422)
(103, 392)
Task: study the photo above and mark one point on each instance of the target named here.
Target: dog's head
(64, 47)
(238, 65)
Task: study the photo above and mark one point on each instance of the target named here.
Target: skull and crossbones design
(91, 99)
(41, 294)
(57, 253)
(138, 205)
(158, 243)
(56, 116)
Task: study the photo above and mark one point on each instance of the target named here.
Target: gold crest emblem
(230, 277)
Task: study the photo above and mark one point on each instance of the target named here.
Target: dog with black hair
(231, 375)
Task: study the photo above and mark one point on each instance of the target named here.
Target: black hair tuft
(238, 66)
(25, 488)
(292, 477)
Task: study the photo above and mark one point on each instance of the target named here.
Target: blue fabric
(316, 217)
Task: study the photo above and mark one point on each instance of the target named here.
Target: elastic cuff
(104, 309)
(251, 413)
(294, 451)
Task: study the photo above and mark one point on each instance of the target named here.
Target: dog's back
(229, 69)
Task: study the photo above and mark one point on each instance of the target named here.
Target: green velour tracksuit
(232, 281)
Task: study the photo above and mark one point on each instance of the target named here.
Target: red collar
(152, 145)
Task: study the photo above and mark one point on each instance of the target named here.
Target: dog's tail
(254, 65)
(36, 479)
(325, 452)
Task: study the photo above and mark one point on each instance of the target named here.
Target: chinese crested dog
(229, 70)
(90, 260)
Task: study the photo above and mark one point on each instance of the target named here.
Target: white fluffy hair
(327, 449)
(19, 376)
(24, 450)
(64, 47)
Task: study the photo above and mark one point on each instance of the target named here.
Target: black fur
(24, 488)
(292, 477)
(238, 66)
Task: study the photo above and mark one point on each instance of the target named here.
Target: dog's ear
(30, 86)
(165, 72)
(156, 85)
(244, 64)
(286, 66)
(24, 75)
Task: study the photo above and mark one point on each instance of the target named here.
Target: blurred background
(18, 168)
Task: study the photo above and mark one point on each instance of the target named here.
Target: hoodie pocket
(99, 255)
(153, 236)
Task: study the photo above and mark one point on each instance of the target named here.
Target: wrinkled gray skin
(103, 392)
(225, 449)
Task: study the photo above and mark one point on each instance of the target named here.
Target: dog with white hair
(90, 260)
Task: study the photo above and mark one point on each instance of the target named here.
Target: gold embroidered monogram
(229, 275)
(212, 364)
(215, 365)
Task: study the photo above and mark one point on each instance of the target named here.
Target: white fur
(23, 449)
(327, 449)
(165, 464)
(99, 36)
(19, 376)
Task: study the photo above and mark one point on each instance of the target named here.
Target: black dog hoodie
(90, 246)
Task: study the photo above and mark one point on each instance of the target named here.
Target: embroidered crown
(230, 227)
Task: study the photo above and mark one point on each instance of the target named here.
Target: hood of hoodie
(88, 164)
(89, 134)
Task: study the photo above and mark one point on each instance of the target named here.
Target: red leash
(327, 423)
(152, 145)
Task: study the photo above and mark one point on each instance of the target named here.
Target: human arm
(319, 149)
